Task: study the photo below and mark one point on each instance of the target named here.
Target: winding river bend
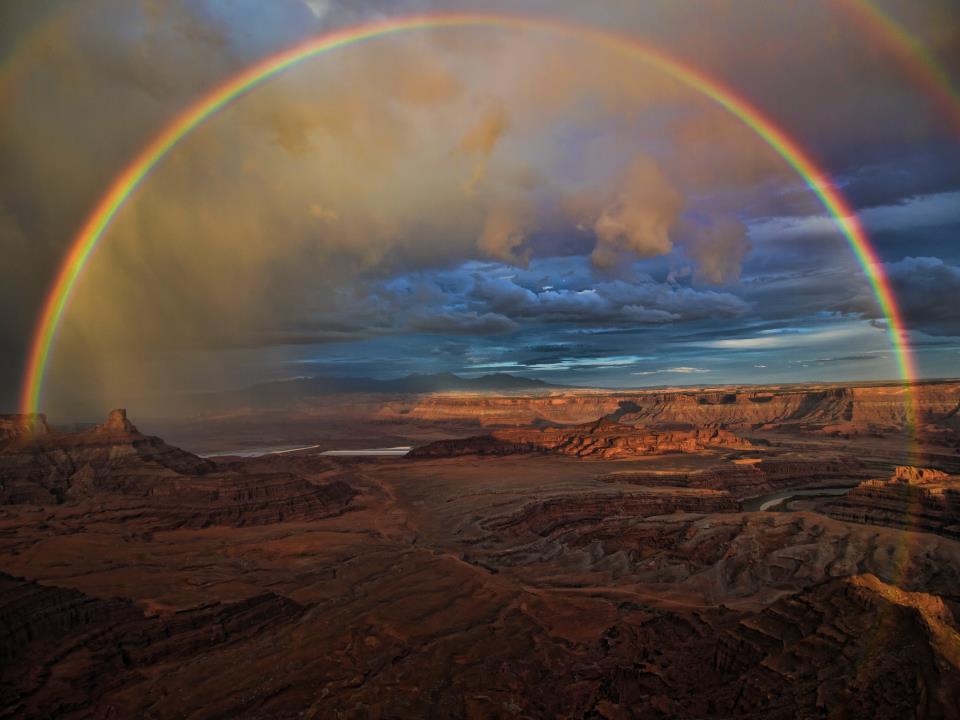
(398, 451)
(765, 502)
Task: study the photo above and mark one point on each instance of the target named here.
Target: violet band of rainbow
(134, 174)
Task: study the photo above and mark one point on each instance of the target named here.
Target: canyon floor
(551, 555)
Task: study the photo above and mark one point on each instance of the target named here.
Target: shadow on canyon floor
(549, 565)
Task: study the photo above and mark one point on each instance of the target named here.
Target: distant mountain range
(416, 383)
(284, 393)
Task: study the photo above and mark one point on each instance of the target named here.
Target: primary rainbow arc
(125, 184)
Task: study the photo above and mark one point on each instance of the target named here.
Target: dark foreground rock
(151, 583)
(144, 476)
(853, 648)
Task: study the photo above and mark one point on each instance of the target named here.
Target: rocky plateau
(601, 439)
(587, 556)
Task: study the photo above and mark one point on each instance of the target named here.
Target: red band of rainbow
(93, 230)
(917, 60)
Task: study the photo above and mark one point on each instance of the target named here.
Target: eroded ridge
(601, 439)
(142, 475)
(912, 498)
(582, 577)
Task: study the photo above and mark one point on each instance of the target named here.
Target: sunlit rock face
(881, 410)
(661, 296)
(602, 569)
(920, 499)
(602, 439)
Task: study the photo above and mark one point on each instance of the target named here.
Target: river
(398, 451)
(765, 502)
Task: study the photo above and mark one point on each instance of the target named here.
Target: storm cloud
(465, 186)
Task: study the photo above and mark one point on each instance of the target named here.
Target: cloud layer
(466, 185)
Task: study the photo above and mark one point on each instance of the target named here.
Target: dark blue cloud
(927, 289)
(795, 306)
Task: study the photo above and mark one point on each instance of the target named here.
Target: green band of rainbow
(91, 233)
(918, 61)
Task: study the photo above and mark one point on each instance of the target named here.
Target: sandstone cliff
(855, 647)
(149, 477)
(842, 411)
(744, 480)
(605, 439)
(545, 517)
(913, 498)
(19, 428)
(525, 585)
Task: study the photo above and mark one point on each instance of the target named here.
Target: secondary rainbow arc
(917, 59)
(134, 174)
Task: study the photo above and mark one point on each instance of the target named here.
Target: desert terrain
(789, 552)
(479, 359)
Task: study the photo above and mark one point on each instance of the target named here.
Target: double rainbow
(134, 174)
(917, 60)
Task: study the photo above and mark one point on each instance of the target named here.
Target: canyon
(551, 555)
(604, 438)
(828, 409)
(916, 499)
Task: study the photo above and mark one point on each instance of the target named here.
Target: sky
(472, 200)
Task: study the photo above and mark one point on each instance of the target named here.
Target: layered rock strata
(840, 411)
(913, 498)
(749, 479)
(147, 477)
(604, 439)
(853, 647)
(548, 516)
(502, 586)
(61, 650)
